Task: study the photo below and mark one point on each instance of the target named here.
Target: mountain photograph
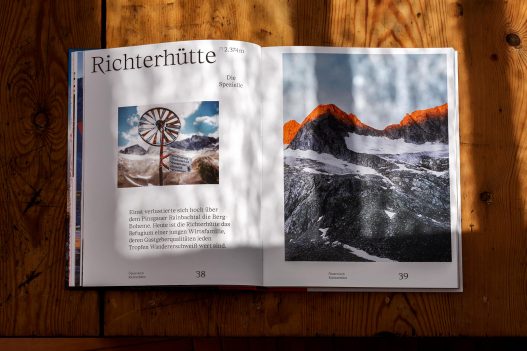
(189, 153)
(374, 188)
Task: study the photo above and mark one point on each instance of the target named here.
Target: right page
(360, 181)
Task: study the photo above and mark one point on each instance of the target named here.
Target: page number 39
(200, 274)
(403, 276)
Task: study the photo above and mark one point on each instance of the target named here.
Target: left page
(170, 165)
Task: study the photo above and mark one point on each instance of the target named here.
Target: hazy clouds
(379, 89)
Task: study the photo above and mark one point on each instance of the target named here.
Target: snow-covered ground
(406, 156)
(132, 157)
(324, 231)
(313, 162)
(330, 164)
(155, 155)
(313, 171)
(353, 250)
(365, 255)
(390, 214)
(382, 145)
(403, 167)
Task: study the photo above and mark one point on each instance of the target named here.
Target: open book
(225, 163)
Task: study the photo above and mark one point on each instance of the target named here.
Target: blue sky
(197, 118)
(379, 89)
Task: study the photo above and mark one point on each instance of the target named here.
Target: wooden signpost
(159, 126)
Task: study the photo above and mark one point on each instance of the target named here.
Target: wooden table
(491, 37)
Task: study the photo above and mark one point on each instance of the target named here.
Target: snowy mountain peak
(418, 127)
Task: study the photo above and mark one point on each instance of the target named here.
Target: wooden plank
(257, 344)
(493, 141)
(201, 312)
(34, 41)
(489, 36)
(91, 344)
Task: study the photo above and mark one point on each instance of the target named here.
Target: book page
(171, 165)
(360, 164)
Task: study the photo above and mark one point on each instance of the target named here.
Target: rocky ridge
(428, 125)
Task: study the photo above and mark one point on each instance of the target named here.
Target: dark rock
(353, 208)
(196, 142)
(133, 150)
(326, 135)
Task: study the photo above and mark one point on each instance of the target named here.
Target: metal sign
(179, 163)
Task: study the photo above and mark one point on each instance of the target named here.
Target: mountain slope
(388, 204)
(429, 125)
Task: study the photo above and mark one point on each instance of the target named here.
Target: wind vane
(159, 126)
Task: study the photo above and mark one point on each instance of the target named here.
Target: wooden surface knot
(40, 120)
(513, 39)
(486, 196)
(458, 9)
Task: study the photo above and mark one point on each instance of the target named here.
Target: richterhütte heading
(125, 62)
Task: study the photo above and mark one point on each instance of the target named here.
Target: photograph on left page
(168, 144)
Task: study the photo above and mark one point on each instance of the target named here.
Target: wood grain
(490, 37)
(261, 344)
(34, 40)
(493, 145)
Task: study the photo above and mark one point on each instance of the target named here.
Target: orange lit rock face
(422, 116)
(290, 130)
(321, 110)
(419, 126)
(292, 127)
(432, 119)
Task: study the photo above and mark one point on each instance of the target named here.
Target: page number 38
(200, 274)
(403, 276)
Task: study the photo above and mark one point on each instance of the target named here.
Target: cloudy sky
(197, 118)
(379, 89)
